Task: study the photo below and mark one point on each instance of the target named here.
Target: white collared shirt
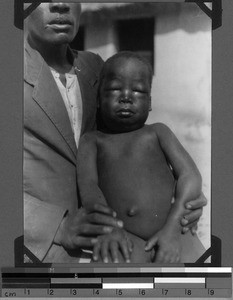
(72, 98)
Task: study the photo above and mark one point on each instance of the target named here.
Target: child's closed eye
(141, 91)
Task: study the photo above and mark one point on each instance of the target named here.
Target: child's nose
(126, 97)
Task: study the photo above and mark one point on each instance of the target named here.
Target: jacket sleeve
(41, 221)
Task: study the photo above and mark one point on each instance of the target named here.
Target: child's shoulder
(160, 130)
(158, 127)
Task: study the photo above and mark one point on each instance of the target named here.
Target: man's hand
(113, 246)
(167, 246)
(190, 220)
(81, 228)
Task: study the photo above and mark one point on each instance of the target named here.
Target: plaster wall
(181, 91)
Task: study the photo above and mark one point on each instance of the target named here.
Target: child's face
(125, 95)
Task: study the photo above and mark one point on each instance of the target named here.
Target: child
(135, 168)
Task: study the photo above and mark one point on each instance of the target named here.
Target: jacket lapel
(47, 95)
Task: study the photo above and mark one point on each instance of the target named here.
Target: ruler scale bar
(115, 282)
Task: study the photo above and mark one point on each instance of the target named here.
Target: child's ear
(150, 108)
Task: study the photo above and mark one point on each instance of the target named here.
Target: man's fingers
(197, 203)
(101, 208)
(84, 242)
(151, 243)
(194, 229)
(192, 217)
(97, 218)
(93, 229)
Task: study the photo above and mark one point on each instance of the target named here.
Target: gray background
(11, 120)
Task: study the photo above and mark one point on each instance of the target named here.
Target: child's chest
(133, 146)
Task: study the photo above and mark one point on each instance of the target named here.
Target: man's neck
(55, 56)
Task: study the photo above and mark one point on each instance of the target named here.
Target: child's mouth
(125, 113)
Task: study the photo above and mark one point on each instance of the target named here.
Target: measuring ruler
(81, 282)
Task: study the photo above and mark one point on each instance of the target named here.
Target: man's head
(53, 23)
(124, 92)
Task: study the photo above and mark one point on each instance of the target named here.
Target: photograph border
(11, 121)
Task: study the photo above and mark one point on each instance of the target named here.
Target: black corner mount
(215, 13)
(20, 14)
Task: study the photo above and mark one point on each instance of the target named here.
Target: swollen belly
(142, 206)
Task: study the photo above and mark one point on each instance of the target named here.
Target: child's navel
(132, 211)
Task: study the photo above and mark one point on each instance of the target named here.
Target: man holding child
(60, 100)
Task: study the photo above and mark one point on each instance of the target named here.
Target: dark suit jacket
(49, 149)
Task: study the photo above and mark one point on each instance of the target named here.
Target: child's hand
(167, 245)
(108, 246)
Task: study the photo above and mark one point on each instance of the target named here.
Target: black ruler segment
(39, 275)
(26, 280)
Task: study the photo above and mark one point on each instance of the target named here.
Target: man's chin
(61, 39)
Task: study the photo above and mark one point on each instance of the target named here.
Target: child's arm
(188, 187)
(90, 193)
(87, 174)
